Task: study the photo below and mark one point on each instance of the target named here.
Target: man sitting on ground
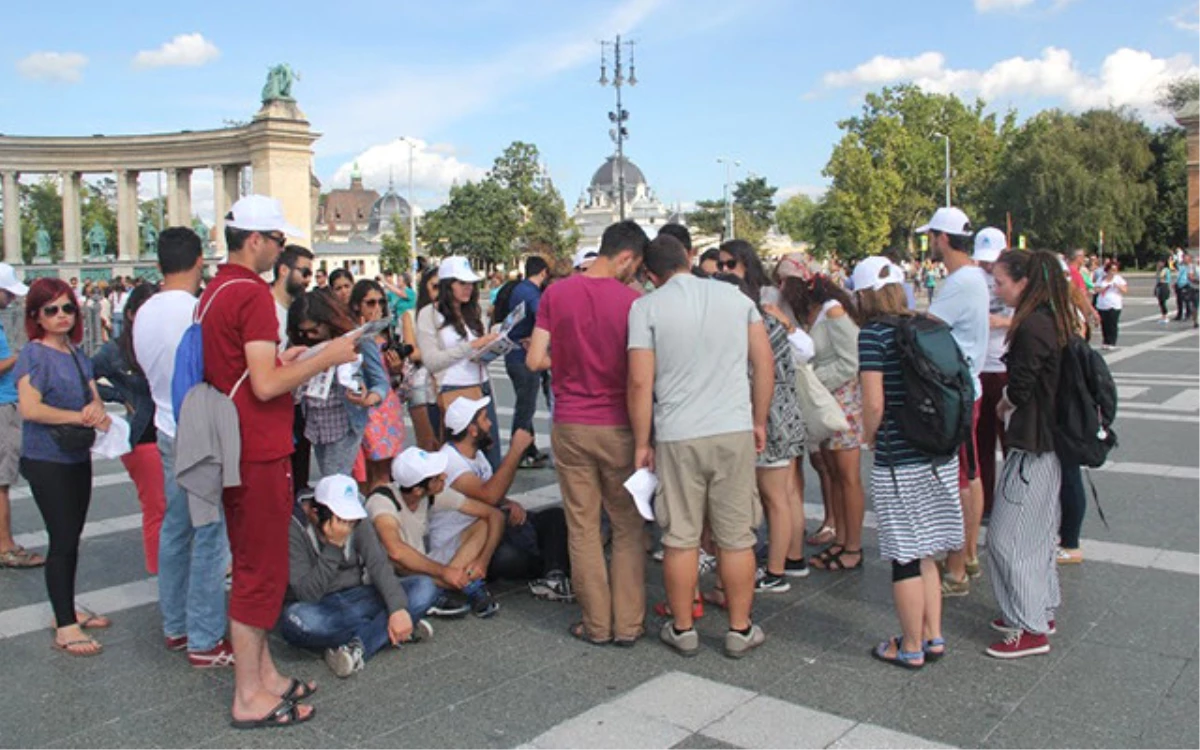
(534, 544)
(330, 555)
(400, 513)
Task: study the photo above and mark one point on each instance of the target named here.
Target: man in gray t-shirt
(689, 345)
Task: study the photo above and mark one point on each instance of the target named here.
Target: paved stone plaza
(1123, 670)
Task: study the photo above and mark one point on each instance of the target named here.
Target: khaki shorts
(708, 478)
(10, 444)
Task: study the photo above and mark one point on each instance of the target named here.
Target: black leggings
(1073, 500)
(1108, 325)
(62, 493)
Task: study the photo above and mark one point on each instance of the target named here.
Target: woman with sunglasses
(450, 333)
(335, 420)
(422, 391)
(116, 363)
(383, 438)
(55, 387)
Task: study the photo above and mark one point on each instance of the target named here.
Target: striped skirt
(918, 510)
(1022, 540)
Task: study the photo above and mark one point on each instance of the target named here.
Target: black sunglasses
(726, 265)
(276, 237)
(373, 302)
(305, 272)
(51, 310)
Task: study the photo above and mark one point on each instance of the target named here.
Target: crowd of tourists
(717, 374)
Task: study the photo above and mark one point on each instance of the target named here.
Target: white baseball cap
(462, 412)
(457, 267)
(260, 213)
(9, 281)
(948, 220)
(339, 493)
(584, 257)
(414, 466)
(869, 273)
(989, 243)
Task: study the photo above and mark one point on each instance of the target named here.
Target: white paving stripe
(1111, 358)
(34, 617)
(1125, 413)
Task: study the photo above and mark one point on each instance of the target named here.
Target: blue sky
(762, 81)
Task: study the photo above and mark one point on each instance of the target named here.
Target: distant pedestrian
(1162, 288)
(1110, 298)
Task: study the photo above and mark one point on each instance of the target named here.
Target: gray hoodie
(317, 568)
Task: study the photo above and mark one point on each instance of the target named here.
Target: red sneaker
(220, 655)
(1000, 625)
(1019, 643)
(175, 642)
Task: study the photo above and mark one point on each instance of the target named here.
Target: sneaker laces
(1013, 637)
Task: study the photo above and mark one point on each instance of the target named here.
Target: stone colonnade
(276, 145)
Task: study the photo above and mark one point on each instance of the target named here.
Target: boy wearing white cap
(12, 555)
(400, 513)
(330, 554)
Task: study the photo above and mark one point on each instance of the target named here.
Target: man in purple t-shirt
(587, 318)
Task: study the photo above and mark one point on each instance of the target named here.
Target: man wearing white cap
(241, 333)
(584, 257)
(990, 242)
(330, 555)
(962, 304)
(12, 555)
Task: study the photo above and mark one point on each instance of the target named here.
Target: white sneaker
(346, 659)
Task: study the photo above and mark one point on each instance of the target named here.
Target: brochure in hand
(349, 375)
(504, 344)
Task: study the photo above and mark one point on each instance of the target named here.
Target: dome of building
(605, 177)
(383, 213)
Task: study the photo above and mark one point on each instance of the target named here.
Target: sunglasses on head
(51, 310)
(726, 265)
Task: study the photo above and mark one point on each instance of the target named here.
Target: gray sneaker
(345, 660)
(687, 644)
(738, 645)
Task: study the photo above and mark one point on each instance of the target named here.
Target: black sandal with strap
(825, 556)
(285, 714)
(298, 691)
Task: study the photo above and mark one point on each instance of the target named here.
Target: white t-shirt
(997, 345)
(466, 371)
(1110, 296)
(157, 330)
(962, 304)
(445, 526)
(414, 524)
(281, 316)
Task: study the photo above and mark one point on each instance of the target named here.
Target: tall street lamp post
(729, 165)
(618, 117)
(412, 213)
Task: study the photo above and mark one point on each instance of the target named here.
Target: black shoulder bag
(73, 437)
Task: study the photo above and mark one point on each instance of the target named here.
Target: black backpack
(1085, 405)
(935, 415)
(500, 309)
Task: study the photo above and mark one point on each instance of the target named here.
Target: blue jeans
(359, 611)
(191, 566)
(492, 453)
(526, 384)
(338, 457)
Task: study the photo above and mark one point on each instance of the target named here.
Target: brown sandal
(76, 647)
(579, 632)
(19, 557)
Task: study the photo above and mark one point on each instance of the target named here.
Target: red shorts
(257, 515)
(969, 470)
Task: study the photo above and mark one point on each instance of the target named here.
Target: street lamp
(412, 214)
(947, 139)
(729, 165)
(618, 117)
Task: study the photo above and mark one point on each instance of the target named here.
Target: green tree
(861, 199)
(480, 221)
(1167, 225)
(757, 198)
(794, 217)
(395, 255)
(1178, 92)
(99, 206)
(708, 218)
(41, 204)
(544, 225)
(749, 227)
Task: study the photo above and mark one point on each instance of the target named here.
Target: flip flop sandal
(71, 647)
(905, 659)
(824, 535)
(286, 714)
(19, 557)
(91, 620)
(579, 632)
(298, 691)
(928, 646)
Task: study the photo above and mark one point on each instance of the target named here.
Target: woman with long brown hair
(383, 437)
(1022, 535)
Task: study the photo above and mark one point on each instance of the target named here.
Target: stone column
(12, 219)
(179, 197)
(128, 236)
(72, 232)
(225, 189)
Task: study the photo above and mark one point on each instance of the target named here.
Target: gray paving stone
(103, 736)
(834, 689)
(1026, 729)
(942, 715)
(870, 735)
(307, 735)
(1158, 615)
(703, 742)
(1188, 683)
(1175, 722)
(684, 700)
(602, 674)
(610, 726)
(769, 722)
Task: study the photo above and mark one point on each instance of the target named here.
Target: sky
(763, 82)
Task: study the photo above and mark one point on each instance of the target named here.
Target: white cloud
(185, 50)
(1187, 19)
(1127, 77)
(62, 67)
(434, 169)
(989, 6)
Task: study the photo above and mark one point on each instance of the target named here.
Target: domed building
(385, 213)
(599, 206)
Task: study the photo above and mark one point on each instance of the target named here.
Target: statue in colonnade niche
(149, 238)
(97, 241)
(41, 241)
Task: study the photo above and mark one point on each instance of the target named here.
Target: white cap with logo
(9, 281)
(459, 268)
(989, 243)
(339, 493)
(948, 220)
(414, 466)
(260, 213)
(462, 412)
(870, 273)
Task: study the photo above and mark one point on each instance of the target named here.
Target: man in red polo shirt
(240, 356)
